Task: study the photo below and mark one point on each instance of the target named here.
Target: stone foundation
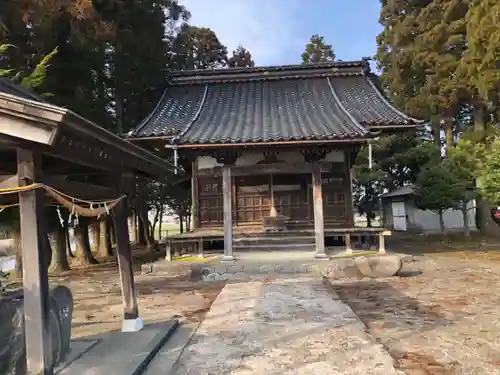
(347, 268)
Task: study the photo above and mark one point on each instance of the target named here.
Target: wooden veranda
(45, 144)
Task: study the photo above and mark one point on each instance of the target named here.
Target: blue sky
(276, 31)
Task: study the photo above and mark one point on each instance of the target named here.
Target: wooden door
(210, 201)
(252, 199)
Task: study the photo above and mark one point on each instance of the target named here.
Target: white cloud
(268, 29)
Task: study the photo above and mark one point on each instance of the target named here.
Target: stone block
(221, 276)
(278, 268)
(12, 343)
(378, 266)
(240, 276)
(147, 268)
(266, 268)
(234, 268)
(209, 277)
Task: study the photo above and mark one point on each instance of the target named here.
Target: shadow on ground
(383, 307)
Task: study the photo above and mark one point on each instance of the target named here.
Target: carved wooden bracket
(225, 157)
(314, 155)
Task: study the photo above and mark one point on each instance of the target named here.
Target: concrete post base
(132, 325)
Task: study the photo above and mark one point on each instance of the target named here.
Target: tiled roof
(316, 102)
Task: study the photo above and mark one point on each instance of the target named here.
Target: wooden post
(131, 320)
(348, 198)
(200, 248)
(35, 276)
(348, 245)
(272, 211)
(228, 214)
(319, 229)
(195, 195)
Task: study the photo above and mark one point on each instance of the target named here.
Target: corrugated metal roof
(405, 190)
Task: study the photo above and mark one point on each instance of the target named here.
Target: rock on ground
(379, 266)
(282, 327)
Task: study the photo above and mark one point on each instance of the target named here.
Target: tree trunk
(131, 228)
(83, 252)
(465, 217)
(136, 227)
(369, 220)
(104, 250)
(16, 239)
(95, 233)
(112, 233)
(188, 223)
(59, 260)
(441, 222)
(436, 130)
(47, 249)
(146, 230)
(181, 223)
(68, 241)
(448, 135)
(484, 222)
(159, 223)
(142, 230)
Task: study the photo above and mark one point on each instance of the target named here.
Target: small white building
(401, 214)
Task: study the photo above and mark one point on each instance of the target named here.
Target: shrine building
(270, 150)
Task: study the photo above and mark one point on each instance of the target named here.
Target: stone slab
(293, 326)
(122, 353)
(168, 355)
(77, 349)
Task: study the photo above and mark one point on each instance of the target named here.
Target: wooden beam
(267, 169)
(35, 277)
(228, 214)
(319, 227)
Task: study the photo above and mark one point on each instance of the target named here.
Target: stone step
(273, 240)
(282, 234)
(275, 247)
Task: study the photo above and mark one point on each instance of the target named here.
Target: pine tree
(198, 48)
(439, 47)
(317, 51)
(241, 58)
(396, 56)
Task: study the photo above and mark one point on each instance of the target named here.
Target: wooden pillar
(381, 243)
(35, 276)
(195, 213)
(272, 211)
(349, 199)
(228, 214)
(348, 245)
(131, 320)
(319, 229)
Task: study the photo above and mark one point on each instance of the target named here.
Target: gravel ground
(445, 321)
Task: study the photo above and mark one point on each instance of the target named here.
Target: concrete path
(282, 327)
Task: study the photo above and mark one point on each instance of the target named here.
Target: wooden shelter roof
(329, 101)
(27, 120)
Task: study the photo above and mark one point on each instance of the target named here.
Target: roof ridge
(150, 115)
(261, 69)
(196, 115)
(272, 73)
(343, 109)
(389, 104)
